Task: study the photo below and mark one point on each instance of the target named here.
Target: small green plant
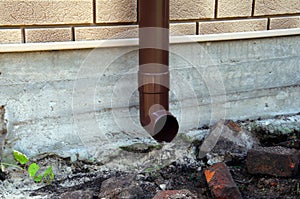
(298, 189)
(32, 169)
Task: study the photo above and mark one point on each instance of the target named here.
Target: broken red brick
(275, 161)
(174, 194)
(233, 126)
(221, 183)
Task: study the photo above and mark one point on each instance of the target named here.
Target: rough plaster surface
(83, 104)
(35, 12)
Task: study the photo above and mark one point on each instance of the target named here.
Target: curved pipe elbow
(163, 126)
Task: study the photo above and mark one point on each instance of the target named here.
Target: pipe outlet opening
(163, 126)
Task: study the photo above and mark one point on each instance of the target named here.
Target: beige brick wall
(34, 35)
(105, 32)
(183, 28)
(274, 7)
(232, 26)
(285, 22)
(36, 12)
(234, 8)
(191, 9)
(8, 36)
(67, 20)
(114, 11)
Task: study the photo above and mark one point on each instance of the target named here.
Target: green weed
(32, 169)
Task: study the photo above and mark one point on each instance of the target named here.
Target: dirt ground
(182, 174)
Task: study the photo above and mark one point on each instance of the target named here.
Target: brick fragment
(233, 143)
(221, 183)
(175, 194)
(276, 161)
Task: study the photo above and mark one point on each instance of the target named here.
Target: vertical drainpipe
(154, 73)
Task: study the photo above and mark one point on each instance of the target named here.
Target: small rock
(276, 161)
(175, 194)
(221, 183)
(87, 194)
(121, 187)
(227, 141)
(163, 186)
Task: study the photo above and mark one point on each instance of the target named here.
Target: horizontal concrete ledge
(5, 48)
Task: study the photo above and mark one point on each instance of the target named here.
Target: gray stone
(125, 187)
(281, 125)
(87, 194)
(227, 141)
(175, 194)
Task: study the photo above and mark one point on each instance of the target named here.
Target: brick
(276, 161)
(196, 9)
(273, 7)
(106, 32)
(174, 194)
(183, 29)
(37, 12)
(34, 35)
(114, 11)
(220, 182)
(232, 26)
(234, 8)
(285, 22)
(9, 36)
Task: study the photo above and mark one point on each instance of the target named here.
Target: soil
(184, 174)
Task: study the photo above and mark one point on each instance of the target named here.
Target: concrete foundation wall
(84, 103)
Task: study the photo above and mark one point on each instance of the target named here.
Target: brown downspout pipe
(154, 74)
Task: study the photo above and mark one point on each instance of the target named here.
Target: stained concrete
(83, 104)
